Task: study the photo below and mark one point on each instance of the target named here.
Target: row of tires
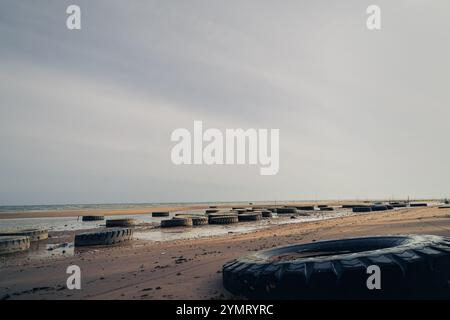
(215, 217)
(20, 240)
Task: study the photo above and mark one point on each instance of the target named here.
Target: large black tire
(177, 222)
(114, 223)
(33, 234)
(226, 219)
(254, 216)
(361, 209)
(11, 244)
(326, 208)
(410, 264)
(208, 211)
(92, 218)
(160, 214)
(106, 237)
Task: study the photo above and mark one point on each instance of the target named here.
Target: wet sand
(190, 269)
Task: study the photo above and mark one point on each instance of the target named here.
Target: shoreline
(155, 270)
(171, 208)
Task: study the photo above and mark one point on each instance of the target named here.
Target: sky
(86, 115)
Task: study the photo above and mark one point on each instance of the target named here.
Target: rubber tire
(33, 234)
(114, 223)
(409, 264)
(160, 214)
(224, 214)
(228, 219)
(379, 207)
(208, 211)
(361, 209)
(176, 222)
(106, 237)
(266, 214)
(326, 208)
(92, 218)
(11, 244)
(418, 204)
(197, 220)
(309, 208)
(254, 216)
(286, 210)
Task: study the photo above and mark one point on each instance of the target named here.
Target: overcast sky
(86, 116)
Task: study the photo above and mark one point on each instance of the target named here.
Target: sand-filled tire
(326, 208)
(418, 204)
(92, 218)
(361, 209)
(338, 268)
(225, 219)
(286, 210)
(11, 244)
(160, 214)
(322, 205)
(33, 234)
(114, 223)
(208, 211)
(253, 216)
(105, 237)
(177, 222)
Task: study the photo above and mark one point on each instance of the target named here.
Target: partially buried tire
(114, 223)
(409, 265)
(286, 210)
(11, 244)
(33, 234)
(266, 214)
(228, 219)
(379, 207)
(418, 204)
(106, 237)
(305, 208)
(177, 222)
(160, 214)
(254, 216)
(92, 218)
(197, 220)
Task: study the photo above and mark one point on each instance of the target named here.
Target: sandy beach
(191, 269)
